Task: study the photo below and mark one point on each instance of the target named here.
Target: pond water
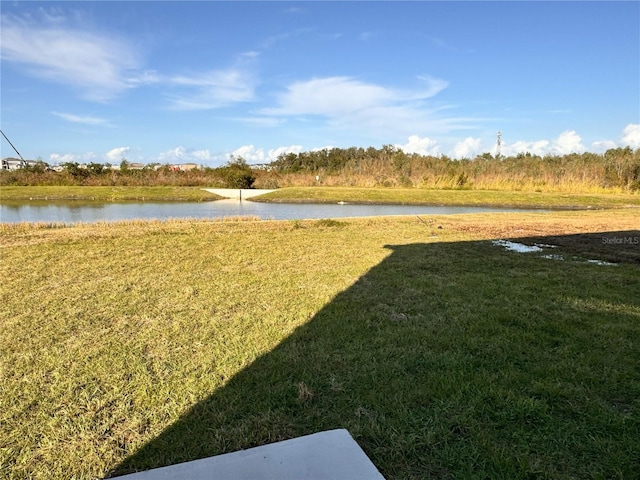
(72, 212)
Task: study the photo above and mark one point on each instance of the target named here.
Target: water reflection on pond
(71, 212)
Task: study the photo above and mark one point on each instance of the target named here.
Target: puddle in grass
(539, 247)
(516, 247)
(599, 262)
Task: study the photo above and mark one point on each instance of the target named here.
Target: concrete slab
(333, 454)
(240, 193)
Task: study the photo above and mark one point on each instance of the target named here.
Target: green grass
(105, 194)
(451, 197)
(134, 345)
(331, 195)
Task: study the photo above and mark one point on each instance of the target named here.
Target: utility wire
(12, 145)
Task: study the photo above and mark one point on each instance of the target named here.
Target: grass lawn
(451, 197)
(105, 194)
(331, 195)
(134, 345)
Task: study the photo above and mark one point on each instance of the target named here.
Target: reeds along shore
(615, 171)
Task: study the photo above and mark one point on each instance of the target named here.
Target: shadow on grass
(451, 360)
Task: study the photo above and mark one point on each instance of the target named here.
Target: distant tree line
(234, 174)
(615, 170)
(389, 166)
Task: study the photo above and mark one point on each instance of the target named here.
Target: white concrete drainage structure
(239, 193)
(333, 454)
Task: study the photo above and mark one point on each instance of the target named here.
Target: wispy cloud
(272, 40)
(335, 96)
(351, 104)
(261, 121)
(86, 120)
(101, 67)
(48, 48)
(213, 89)
(365, 36)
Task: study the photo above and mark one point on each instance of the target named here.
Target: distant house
(261, 166)
(12, 163)
(16, 163)
(185, 167)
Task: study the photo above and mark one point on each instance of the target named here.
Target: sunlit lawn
(139, 344)
(104, 193)
(452, 197)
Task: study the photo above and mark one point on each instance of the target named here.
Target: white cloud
(115, 155)
(630, 138)
(257, 155)
(183, 155)
(568, 142)
(250, 54)
(329, 96)
(51, 49)
(326, 147)
(58, 158)
(352, 106)
(539, 147)
(335, 96)
(250, 153)
(261, 121)
(631, 135)
(69, 117)
(276, 152)
(433, 86)
(146, 77)
(602, 146)
(213, 89)
(467, 148)
(421, 146)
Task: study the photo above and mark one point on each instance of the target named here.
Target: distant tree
(38, 167)
(237, 162)
(96, 168)
(237, 173)
(74, 169)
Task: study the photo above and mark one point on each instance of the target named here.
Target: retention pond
(78, 211)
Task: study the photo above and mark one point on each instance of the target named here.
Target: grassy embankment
(451, 197)
(329, 195)
(138, 344)
(104, 193)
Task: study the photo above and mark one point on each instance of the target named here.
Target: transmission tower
(499, 145)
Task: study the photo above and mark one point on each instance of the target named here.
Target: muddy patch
(603, 248)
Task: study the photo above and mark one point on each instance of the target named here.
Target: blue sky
(177, 82)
